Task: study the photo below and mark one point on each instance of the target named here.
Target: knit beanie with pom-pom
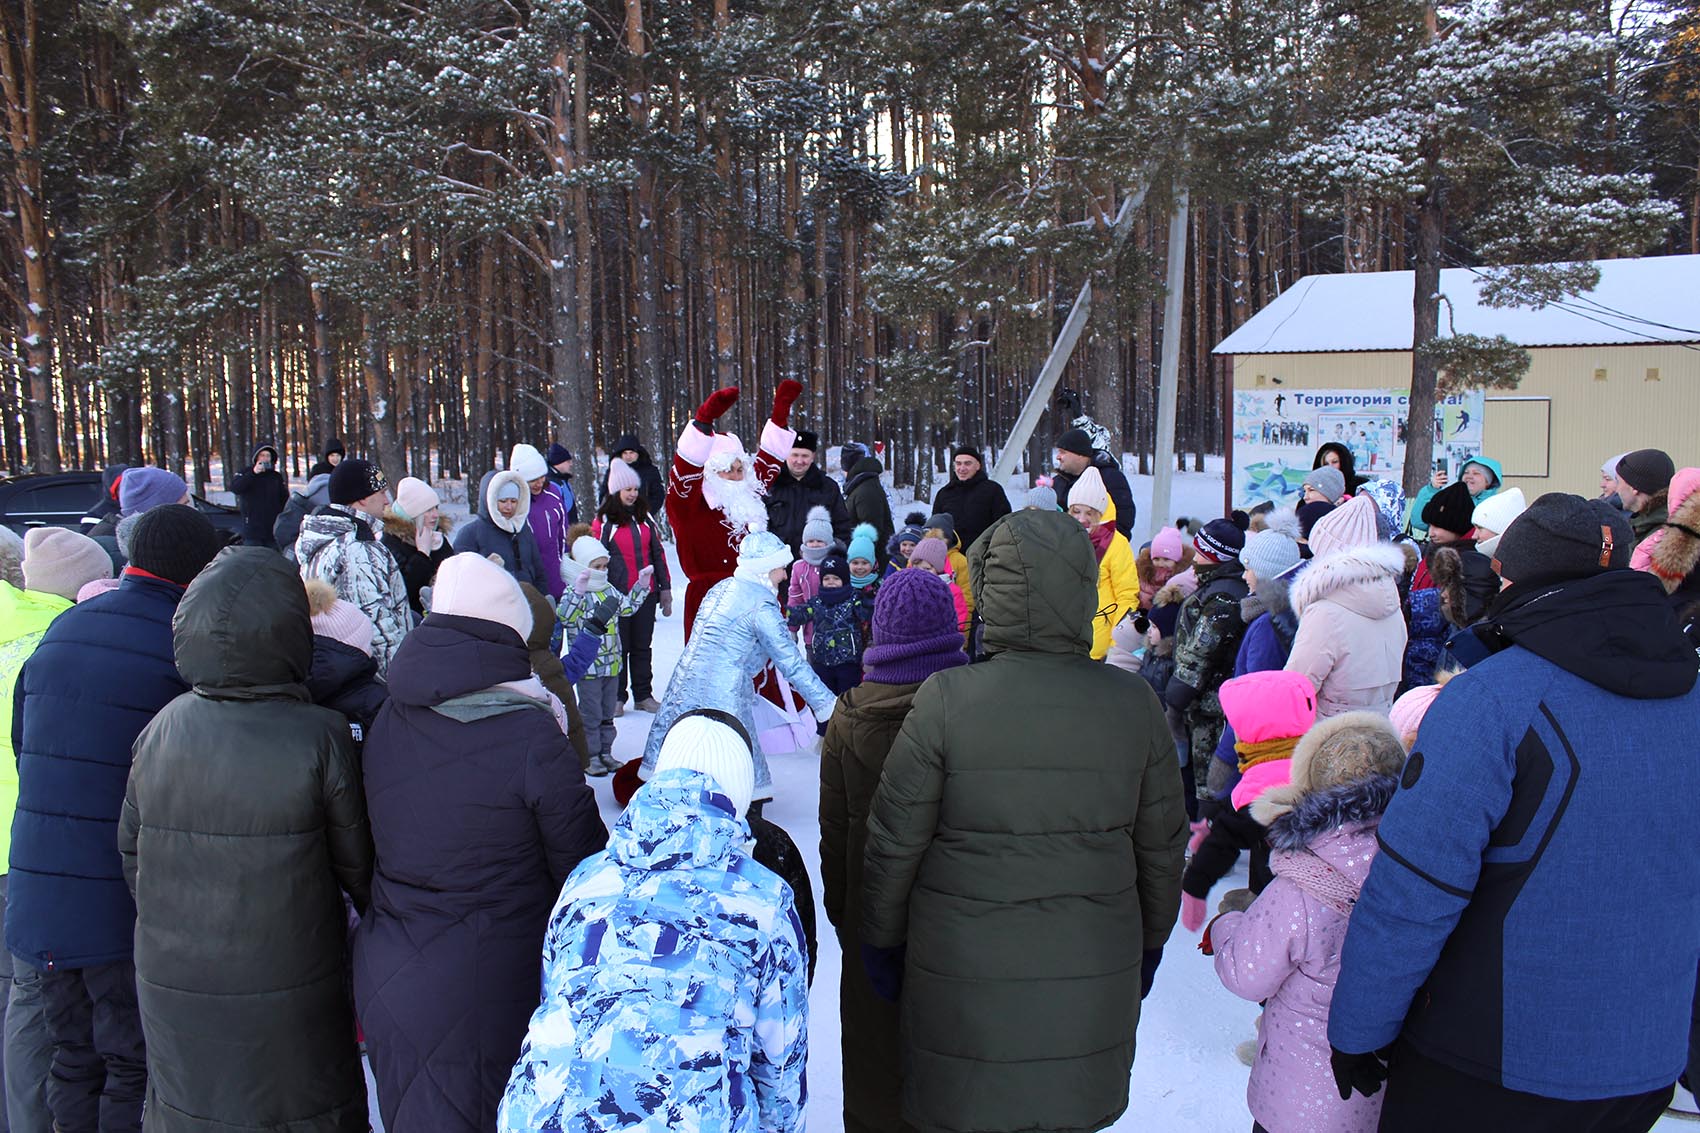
(336, 619)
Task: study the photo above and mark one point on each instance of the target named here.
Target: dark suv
(61, 499)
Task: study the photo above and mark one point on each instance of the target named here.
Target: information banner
(1277, 432)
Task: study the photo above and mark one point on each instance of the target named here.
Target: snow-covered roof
(1647, 300)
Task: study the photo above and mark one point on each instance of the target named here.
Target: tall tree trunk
(23, 133)
(645, 274)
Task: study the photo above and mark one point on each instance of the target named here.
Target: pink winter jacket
(1284, 951)
(1682, 485)
(805, 584)
(1351, 637)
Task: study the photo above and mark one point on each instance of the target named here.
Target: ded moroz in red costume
(710, 516)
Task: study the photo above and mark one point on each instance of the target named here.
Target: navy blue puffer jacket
(479, 811)
(101, 673)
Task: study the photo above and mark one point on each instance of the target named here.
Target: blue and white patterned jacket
(674, 983)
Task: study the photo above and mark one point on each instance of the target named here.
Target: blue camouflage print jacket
(674, 982)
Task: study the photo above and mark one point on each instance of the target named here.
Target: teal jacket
(1415, 516)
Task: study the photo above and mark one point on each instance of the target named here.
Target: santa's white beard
(738, 500)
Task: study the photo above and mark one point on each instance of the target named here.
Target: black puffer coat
(417, 567)
(345, 680)
(789, 500)
(649, 476)
(865, 500)
(479, 812)
(242, 825)
(975, 504)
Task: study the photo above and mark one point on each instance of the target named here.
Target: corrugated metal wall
(1604, 400)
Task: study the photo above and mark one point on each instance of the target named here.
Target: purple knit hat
(915, 630)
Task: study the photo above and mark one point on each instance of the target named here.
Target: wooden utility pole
(1168, 374)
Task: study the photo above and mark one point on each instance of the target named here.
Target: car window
(58, 499)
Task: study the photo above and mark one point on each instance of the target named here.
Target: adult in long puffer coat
(242, 827)
(479, 812)
(915, 627)
(1020, 985)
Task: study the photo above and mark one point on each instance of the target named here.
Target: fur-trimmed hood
(1273, 596)
(1359, 801)
(1148, 568)
(403, 528)
(1362, 579)
(1340, 749)
(1678, 552)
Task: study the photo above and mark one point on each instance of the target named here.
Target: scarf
(813, 555)
(835, 595)
(1101, 536)
(866, 580)
(1264, 751)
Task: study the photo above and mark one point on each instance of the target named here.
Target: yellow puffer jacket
(1118, 592)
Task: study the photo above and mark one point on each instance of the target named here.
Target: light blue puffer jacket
(674, 982)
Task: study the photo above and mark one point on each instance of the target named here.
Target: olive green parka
(243, 823)
(1026, 844)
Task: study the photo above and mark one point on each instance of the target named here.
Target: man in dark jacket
(654, 485)
(1527, 939)
(971, 498)
(864, 494)
(326, 464)
(108, 502)
(261, 492)
(1020, 985)
(1075, 455)
(800, 486)
(560, 462)
(1643, 485)
(102, 671)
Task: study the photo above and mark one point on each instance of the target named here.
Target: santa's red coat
(706, 539)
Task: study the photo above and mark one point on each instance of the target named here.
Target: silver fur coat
(739, 629)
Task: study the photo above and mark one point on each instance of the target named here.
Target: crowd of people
(327, 791)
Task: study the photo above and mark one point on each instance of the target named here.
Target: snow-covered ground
(1185, 1075)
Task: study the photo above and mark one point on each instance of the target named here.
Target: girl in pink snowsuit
(1284, 951)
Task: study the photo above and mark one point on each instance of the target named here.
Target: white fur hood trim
(1354, 566)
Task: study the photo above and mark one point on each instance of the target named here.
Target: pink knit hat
(1409, 710)
(413, 498)
(933, 552)
(621, 476)
(1167, 544)
(472, 586)
(1269, 705)
(337, 619)
(1352, 524)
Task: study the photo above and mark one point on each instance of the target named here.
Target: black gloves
(885, 970)
(1148, 969)
(1179, 695)
(1361, 1072)
(603, 612)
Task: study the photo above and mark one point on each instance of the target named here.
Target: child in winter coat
(805, 572)
(942, 526)
(1118, 580)
(676, 900)
(597, 690)
(930, 555)
(902, 544)
(1284, 951)
(837, 614)
(1268, 712)
(1161, 562)
(863, 560)
(343, 676)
